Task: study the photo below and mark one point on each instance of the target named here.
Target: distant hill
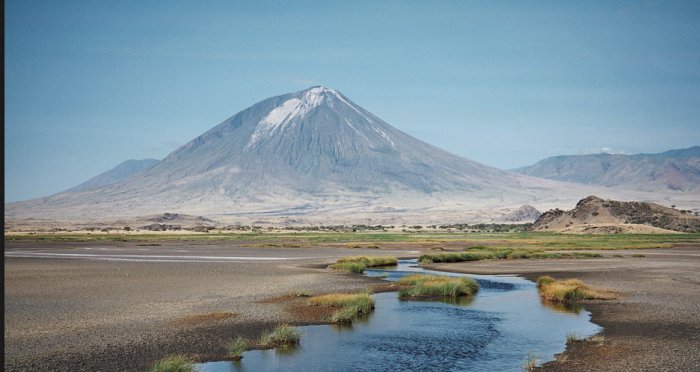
(676, 170)
(117, 174)
(594, 214)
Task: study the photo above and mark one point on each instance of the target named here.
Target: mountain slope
(677, 170)
(313, 153)
(297, 140)
(117, 174)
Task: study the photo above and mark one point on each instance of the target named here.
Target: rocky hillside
(594, 214)
(674, 170)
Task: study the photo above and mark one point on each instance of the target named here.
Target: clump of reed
(421, 285)
(282, 336)
(358, 264)
(350, 305)
(570, 290)
(531, 362)
(236, 349)
(174, 363)
(573, 337)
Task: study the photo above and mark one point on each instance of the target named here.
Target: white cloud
(604, 150)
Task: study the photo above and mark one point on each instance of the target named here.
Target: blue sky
(89, 84)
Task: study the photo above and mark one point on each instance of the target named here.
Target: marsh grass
(174, 363)
(236, 349)
(358, 264)
(523, 240)
(350, 305)
(573, 337)
(282, 336)
(531, 362)
(420, 285)
(479, 253)
(355, 267)
(570, 290)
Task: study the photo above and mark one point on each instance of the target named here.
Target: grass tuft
(351, 305)
(236, 349)
(420, 285)
(572, 337)
(531, 362)
(544, 280)
(174, 363)
(358, 264)
(570, 290)
(282, 336)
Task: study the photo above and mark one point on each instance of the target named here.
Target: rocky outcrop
(606, 214)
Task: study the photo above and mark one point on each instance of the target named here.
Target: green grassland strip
(520, 240)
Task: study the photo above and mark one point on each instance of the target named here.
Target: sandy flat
(121, 306)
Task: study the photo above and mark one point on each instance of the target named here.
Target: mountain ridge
(309, 155)
(114, 175)
(674, 170)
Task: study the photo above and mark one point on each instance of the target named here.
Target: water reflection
(562, 307)
(457, 301)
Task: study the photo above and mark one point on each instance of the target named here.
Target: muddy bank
(653, 326)
(90, 314)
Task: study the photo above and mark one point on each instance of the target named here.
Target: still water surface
(494, 331)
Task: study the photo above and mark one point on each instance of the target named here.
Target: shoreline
(654, 325)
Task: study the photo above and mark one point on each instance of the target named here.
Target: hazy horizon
(89, 85)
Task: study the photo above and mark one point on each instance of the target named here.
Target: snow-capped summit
(313, 144)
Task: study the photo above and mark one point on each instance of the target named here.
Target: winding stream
(494, 331)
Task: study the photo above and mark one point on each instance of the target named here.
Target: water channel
(496, 330)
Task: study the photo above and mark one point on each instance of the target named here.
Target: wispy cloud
(604, 150)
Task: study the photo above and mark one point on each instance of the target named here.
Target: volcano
(310, 152)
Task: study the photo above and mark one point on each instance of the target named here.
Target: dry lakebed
(122, 305)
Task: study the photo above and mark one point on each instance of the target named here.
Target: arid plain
(122, 304)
